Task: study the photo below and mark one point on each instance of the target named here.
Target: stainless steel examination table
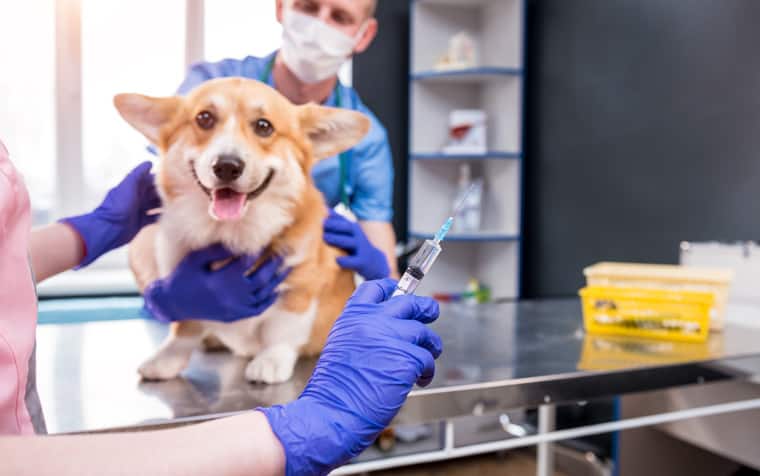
(497, 357)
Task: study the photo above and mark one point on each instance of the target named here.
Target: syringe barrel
(426, 256)
(418, 268)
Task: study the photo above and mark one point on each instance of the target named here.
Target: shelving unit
(494, 85)
(488, 155)
(468, 75)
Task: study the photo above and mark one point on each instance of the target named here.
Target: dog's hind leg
(174, 354)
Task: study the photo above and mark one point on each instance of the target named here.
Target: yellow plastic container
(666, 278)
(682, 316)
(616, 352)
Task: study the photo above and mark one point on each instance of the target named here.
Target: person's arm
(370, 244)
(54, 249)
(372, 200)
(362, 256)
(379, 347)
(357, 387)
(78, 241)
(239, 445)
(381, 235)
(196, 75)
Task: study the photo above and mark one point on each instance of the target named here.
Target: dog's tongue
(228, 204)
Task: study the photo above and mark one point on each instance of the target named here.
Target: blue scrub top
(369, 184)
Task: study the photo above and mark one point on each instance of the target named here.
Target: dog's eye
(205, 120)
(263, 128)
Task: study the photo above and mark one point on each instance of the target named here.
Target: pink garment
(18, 302)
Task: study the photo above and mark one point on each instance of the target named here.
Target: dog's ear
(332, 130)
(147, 114)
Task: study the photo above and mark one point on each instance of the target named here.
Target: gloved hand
(376, 351)
(194, 291)
(363, 257)
(121, 215)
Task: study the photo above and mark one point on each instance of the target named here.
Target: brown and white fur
(282, 215)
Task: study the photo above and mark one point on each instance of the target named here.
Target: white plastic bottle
(467, 219)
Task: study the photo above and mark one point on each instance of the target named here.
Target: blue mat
(69, 311)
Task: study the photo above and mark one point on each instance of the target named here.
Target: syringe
(425, 257)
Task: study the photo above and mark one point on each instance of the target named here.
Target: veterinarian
(357, 387)
(318, 37)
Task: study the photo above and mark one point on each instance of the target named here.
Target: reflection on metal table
(497, 356)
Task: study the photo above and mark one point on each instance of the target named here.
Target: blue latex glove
(377, 350)
(121, 215)
(194, 291)
(362, 257)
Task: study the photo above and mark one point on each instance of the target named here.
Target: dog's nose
(228, 167)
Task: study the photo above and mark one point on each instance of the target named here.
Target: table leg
(545, 454)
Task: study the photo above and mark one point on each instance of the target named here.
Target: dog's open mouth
(228, 204)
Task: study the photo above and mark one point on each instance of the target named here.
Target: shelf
(495, 86)
(500, 155)
(479, 236)
(432, 103)
(401, 449)
(493, 263)
(496, 27)
(433, 187)
(469, 75)
(473, 3)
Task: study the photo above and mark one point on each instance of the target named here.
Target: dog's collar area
(251, 195)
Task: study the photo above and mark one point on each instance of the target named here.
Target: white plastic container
(467, 132)
(470, 196)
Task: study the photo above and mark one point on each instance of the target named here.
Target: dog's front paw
(163, 367)
(273, 365)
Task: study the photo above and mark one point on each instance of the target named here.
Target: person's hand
(121, 215)
(375, 353)
(195, 291)
(363, 257)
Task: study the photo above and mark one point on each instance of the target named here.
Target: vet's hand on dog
(120, 217)
(363, 257)
(377, 350)
(196, 291)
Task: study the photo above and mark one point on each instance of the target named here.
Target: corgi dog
(235, 168)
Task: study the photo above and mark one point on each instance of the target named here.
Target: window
(124, 49)
(62, 63)
(27, 97)
(239, 28)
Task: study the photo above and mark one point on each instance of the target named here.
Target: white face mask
(313, 50)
